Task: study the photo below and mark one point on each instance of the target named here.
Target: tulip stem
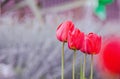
(73, 65)
(84, 66)
(62, 61)
(91, 74)
(81, 69)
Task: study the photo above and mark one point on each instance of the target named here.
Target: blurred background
(28, 45)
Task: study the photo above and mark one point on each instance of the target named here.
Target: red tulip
(75, 39)
(92, 44)
(111, 55)
(63, 29)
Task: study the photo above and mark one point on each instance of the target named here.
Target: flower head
(92, 44)
(63, 29)
(111, 55)
(75, 39)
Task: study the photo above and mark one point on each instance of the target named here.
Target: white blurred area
(28, 45)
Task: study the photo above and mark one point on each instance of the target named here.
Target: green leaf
(105, 2)
(100, 11)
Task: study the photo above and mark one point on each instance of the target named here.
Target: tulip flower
(75, 40)
(91, 45)
(63, 29)
(111, 55)
(62, 35)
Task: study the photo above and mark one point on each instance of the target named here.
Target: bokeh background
(28, 45)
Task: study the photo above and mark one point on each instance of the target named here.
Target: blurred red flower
(63, 29)
(92, 44)
(75, 39)
(111, 55)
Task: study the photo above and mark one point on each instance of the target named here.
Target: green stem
(62, 61)
(73, 65)
(84, 66)
(81, 69)
(91, 74)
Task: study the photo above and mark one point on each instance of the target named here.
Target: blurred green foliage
(100, 10)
